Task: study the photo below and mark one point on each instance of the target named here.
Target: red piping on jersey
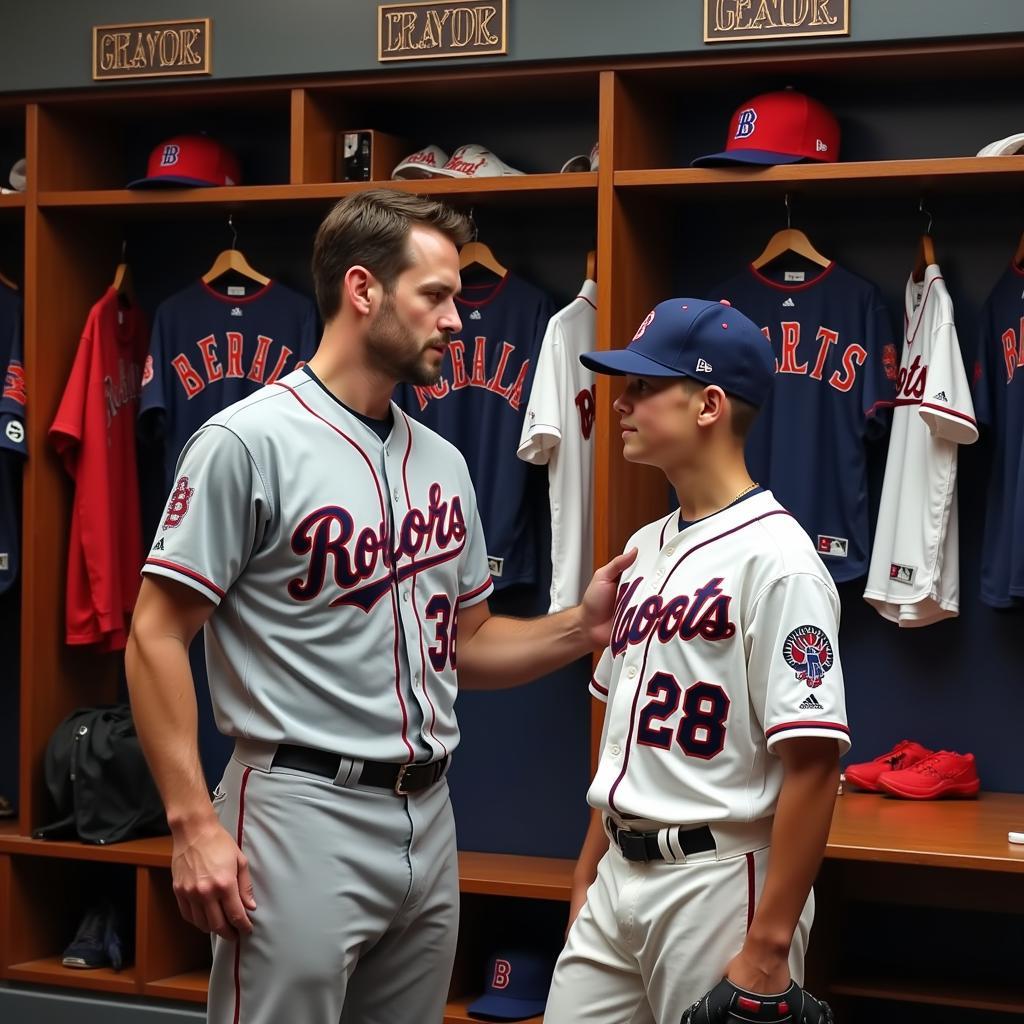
(597, 686)
(238, 940)
(950, 412)
(1017, 270)
(384, 520)
(887, 403)
(750, 890)
(476, 590)
(190, 573)
(647, 646)
(496, 290)
(919, 312)
(237, 300)
(587, 301)
(792, 287)
(415, 611)
(790, 726)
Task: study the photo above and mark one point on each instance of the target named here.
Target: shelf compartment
(50, 971)
(189, 987)
(964, 996)
(951, 174)
(500, 874)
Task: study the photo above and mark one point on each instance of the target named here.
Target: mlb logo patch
(833, 547)
(901, 573)
(495, 565)
(169, 157)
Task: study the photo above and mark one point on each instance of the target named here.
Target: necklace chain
(745, 490)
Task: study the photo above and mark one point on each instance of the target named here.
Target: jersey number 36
(701, 731)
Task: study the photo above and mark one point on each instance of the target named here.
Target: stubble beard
(393, 351)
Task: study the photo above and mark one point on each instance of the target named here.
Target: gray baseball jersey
(338, 563)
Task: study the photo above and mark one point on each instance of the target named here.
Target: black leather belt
(643, 846)
(401, 778)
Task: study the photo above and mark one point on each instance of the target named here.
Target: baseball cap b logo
(170, 155)
(502, 973)
(745, 123)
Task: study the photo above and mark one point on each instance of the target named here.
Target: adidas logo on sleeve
(811, 704)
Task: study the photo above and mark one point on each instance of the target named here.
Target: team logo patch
(889, 362)
(811, 704)
(746, 122)
(648, 320)
(15, 431)
(14, 383)
(808, 652)
(902, 573)
(836, 547)
(495, 565)
(169, 157)
(177, 505)
(147, 371)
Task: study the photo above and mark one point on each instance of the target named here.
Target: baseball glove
(727, 1002)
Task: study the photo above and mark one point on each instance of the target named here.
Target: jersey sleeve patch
(808, 652)
(178, 504)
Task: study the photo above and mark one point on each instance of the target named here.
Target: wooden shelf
(500, 874)
(531, 187)
(456, 1012)
(50, 971)
(190, 987)
(872, 177)
(12, 200)
(979, 996)
(939, 833)
(155, 852)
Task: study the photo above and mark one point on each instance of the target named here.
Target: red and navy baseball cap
(708, 341)
(517, 984)
(778, 128)
(190, 160)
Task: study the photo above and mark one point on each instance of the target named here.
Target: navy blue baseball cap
(708, 341)
(517, 986)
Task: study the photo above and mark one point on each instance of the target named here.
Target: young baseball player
(725, 710)
(331, 549)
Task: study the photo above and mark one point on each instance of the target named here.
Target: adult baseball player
(209, 349)
(12, 435)
(559, 433)
(914, 578)
(835, 365)
(725, 702)
(479, 404)
(999, 405)
(332, 548)
(94, 432)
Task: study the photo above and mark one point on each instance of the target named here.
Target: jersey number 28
(701, 731)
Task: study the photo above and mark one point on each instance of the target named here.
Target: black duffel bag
(99, 781)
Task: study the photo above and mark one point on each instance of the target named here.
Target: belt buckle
(399, 791)
(632, 845)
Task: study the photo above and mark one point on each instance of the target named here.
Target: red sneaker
(943, 774)
(903, 755)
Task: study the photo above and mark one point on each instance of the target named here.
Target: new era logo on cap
(703, 366)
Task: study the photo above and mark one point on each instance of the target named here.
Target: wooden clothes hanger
(926, 249)
(592, 265)
(232, 260)
(479, 253)
(122, 283)
(789, 239)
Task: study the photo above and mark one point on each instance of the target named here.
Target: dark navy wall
(48, 45)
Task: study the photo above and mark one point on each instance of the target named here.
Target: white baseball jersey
(724, 643)
(914, 578)
(559, 431)
(338, 563)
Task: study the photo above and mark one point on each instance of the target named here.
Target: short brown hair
(743, 413)
(370, 229)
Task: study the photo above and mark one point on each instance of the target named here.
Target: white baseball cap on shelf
(1009, 146)
(475, 161)
(18, 176)
(421, 164)
(581, 162)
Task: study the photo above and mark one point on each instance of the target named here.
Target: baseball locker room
(858, 195)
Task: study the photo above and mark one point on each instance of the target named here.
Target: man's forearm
(507, 651)
(799, 836)
(164, 709)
